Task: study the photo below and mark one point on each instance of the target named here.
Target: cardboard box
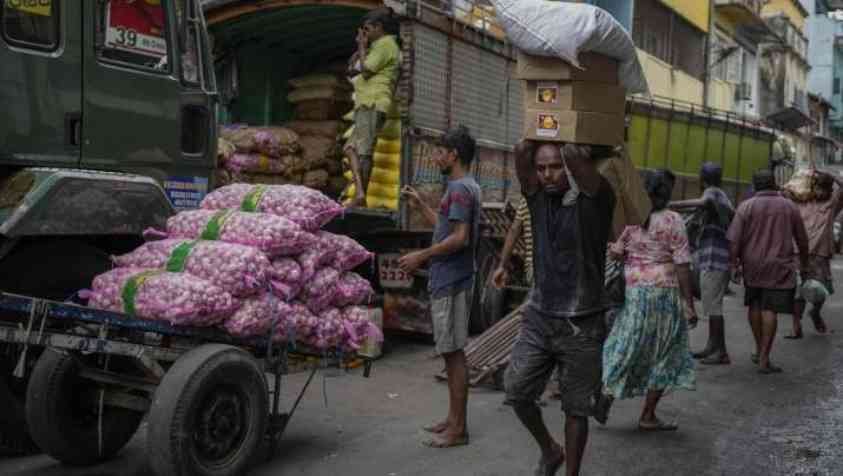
(574, 126)
(596, 68)
(574, 95)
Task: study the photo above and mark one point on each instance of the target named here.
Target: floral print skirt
(647, 348)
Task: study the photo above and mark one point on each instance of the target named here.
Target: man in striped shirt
(519, 237)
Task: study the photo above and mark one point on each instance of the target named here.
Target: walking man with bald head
(571, 207)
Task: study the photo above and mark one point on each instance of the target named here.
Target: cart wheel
(62, 412)
(209, 414)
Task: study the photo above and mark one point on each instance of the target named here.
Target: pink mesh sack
(178, 298)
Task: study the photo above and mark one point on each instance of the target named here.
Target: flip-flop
(771, 369)
(658, 426)
(754, 358)
(436, 428)
(793, 336)
(440, 444)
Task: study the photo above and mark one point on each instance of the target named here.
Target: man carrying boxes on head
(573, 118)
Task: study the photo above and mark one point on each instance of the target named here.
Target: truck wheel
(62, 413)
(14, 432)
(208, 415)
(487, 304)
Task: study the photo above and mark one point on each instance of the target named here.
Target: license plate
(390, 273)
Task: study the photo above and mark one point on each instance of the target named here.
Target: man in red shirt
(761, 239)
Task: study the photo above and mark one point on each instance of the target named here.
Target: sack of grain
(801, 186)
(306, 207)
(321, 109)
(272, 234)
(317, 179)
(256, 315)
(326, 129)
(260, 163)
(238, 269)
(274, 141)
(315, 149)
(319, 80)
(178, 298)
(319, 92)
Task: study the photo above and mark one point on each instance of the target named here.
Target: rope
(36, 309)
(100, 409)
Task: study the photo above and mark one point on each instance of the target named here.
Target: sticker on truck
(136, 27)
(185, 193)
(33, 7)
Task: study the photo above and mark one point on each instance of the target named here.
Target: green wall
(682, 146)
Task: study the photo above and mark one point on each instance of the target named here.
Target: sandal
(754, 358)
(794, 336)
(657, 426)
(770, 369)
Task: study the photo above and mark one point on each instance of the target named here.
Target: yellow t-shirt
(383, 60)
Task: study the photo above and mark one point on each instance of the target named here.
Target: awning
(789, 118)
(747, 20)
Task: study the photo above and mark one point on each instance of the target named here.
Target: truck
(112, 112)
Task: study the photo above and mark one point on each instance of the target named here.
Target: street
(737, 422)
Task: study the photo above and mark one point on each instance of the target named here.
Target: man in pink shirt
(818, 216)
(761, 239)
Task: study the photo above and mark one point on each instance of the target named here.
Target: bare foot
(549, 466)
(437, 428)
(448, 440)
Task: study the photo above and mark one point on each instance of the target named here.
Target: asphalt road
(738, 422)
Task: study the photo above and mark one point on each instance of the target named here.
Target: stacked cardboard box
(565, 104)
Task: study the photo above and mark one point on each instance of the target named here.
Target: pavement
(737, 422)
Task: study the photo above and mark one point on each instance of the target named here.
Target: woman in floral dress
(647, 351)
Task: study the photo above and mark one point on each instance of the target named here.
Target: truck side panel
(40, 84)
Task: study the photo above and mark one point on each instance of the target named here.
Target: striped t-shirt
(522, 214)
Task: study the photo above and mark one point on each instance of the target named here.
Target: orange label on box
(547, 125)
(547, 93)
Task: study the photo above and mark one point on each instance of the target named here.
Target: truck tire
(208, 415)
(61, 410)
(14, 432)
(487, 303)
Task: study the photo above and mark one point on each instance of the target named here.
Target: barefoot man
(452, 268)
(571, 208)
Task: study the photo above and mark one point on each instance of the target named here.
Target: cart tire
(209, 414)
(61, 410)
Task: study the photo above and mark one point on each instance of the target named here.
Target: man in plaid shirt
(712, 258)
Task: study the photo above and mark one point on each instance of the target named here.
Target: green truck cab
(108, 120)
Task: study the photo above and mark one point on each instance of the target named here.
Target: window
(667, 36)
(836, 86)
(31, 23)
(134, 32)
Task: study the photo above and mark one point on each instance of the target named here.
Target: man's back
(763, 232)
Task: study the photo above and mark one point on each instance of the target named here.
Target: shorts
(575, 346)
(450, 321)
(367, 125)
(780, 301)
(713, 286)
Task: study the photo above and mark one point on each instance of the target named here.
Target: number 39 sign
(136, 26)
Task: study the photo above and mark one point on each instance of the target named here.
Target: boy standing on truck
(571, 208)
(452, 268)
(375, 66)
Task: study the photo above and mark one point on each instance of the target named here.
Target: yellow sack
(387, 161)
(386, 146)
(391, 130)
(382, 190)
(377, 202)
(347, 134)
(385, 176)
